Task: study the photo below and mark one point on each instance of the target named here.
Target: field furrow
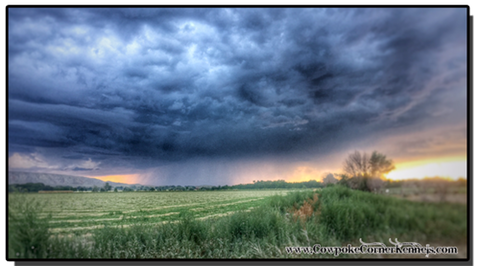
(84, 212)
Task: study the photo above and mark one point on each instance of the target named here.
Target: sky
(217, 96)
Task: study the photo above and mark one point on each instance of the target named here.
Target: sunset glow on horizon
(127, 179)
(304, 173)
(449, 167)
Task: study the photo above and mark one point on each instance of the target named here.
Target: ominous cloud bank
(92, 90)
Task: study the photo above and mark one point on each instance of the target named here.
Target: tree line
(36, 187)
(260, 184)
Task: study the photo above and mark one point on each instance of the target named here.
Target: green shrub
(27, 233)
(191, 230)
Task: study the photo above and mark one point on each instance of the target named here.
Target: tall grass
(349, 214)
(28, 235)
(339, 215)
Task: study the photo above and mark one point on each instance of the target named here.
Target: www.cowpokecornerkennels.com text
(375, 248)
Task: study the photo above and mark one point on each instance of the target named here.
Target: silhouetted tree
(329, 179)
(356, 164)
(367, 172)
(379, 165)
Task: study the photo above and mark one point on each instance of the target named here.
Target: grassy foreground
(334, 216)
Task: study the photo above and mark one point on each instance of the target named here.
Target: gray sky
(222, 96)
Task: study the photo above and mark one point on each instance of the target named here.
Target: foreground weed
(28, 234)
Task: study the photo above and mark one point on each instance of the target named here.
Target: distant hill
(59, 180)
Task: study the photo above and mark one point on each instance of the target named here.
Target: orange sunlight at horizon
(126, 179)
(449, 167)
(303, 173)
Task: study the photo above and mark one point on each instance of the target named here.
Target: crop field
(82, 212)
(453, 194)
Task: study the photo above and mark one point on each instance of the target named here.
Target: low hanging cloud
(84, 166)
(31, 161)
(35, 161)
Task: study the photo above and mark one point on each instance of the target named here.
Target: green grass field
(224, 224)
(81, 212)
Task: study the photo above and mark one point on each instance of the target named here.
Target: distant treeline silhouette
(35, 187)
(260, 184)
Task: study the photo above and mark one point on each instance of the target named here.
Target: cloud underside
(97, 88)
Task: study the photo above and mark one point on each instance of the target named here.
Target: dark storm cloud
(172, 84)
